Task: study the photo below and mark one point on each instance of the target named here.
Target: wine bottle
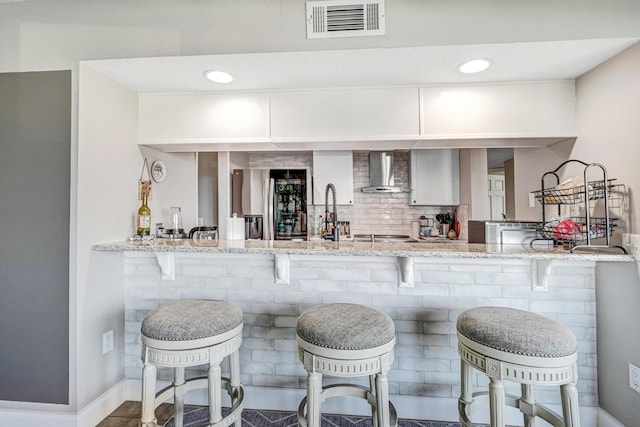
(144, 218)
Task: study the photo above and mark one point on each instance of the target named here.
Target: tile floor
(128, 415)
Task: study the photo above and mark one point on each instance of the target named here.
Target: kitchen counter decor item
(143, 217)
(578, 231)
(158, 171)
(144, 185)
(456, 223)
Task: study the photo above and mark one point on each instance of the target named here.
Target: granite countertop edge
(432, 250)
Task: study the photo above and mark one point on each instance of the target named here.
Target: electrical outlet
(532, 200)
(107, 342)
(634, 377)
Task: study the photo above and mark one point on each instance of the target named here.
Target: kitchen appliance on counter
(272, 201)
(502, 232)
(175, 230)
(204, 234)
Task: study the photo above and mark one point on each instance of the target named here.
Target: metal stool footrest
(512, 401)
(351, 390)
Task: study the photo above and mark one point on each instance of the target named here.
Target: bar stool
(346, 340)
(190, 333)
(518, 346)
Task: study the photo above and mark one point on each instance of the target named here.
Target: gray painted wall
(35, 135)
(617, 302)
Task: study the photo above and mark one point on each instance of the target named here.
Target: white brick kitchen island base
(424, 381)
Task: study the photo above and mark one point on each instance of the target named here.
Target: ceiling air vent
(340, 18)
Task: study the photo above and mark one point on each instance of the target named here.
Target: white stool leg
(372, 390)
(528, 399)
(234, 373)
(466, 396)
(215, 391)
(382, 399)
(496, 403)
(314, 388)
(148, 416)
(570, 407)
(178, 396)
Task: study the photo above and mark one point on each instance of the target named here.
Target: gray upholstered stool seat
(519, 346)
(190, 333)
(346, 340)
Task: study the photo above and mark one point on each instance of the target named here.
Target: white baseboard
(97, 410)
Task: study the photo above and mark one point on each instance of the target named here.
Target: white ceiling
(434, 65)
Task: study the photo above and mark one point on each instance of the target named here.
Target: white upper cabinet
(333, 167)
(202, 117)
(532, 109)
(435, 177)
(346, 114)
(528, 113)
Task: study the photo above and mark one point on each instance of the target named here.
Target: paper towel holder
(234, 228)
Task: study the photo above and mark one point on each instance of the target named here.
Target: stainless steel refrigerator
(279, 196)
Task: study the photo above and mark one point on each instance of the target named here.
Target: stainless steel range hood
(381, 174)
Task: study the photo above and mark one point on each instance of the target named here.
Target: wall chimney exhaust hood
(381, 174)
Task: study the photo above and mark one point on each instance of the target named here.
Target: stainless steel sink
(383, 238)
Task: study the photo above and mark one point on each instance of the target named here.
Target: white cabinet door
(535, 109)
(349, 114)
(335, 167)
(202, 117)
(435, 177)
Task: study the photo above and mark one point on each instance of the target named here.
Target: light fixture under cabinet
(218, 76)
(474, 65)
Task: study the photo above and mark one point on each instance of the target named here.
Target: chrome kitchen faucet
(335, 231)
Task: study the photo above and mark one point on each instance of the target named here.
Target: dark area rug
(198, 415)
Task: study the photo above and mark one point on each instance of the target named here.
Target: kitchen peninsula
(422, 286)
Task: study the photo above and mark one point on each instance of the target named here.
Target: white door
(496, 196)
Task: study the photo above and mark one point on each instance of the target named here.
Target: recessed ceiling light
(218, 76)
(474, 65)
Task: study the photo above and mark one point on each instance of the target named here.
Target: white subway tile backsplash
(294, 297)
(337, 274)
(406, 376)
(291, 370)
(517, 279)
(408, 326)
(373, 287)
(423, 340)
(419, 289)
(205, 293)
(331, 298)
(322, 286)
(521, 304)
(577, 307)
(379, 301)
(412, 351)
(486, 291)
(448, 277)
(254, 368)
(426, 360)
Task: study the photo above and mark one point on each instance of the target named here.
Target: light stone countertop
(451, 249)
